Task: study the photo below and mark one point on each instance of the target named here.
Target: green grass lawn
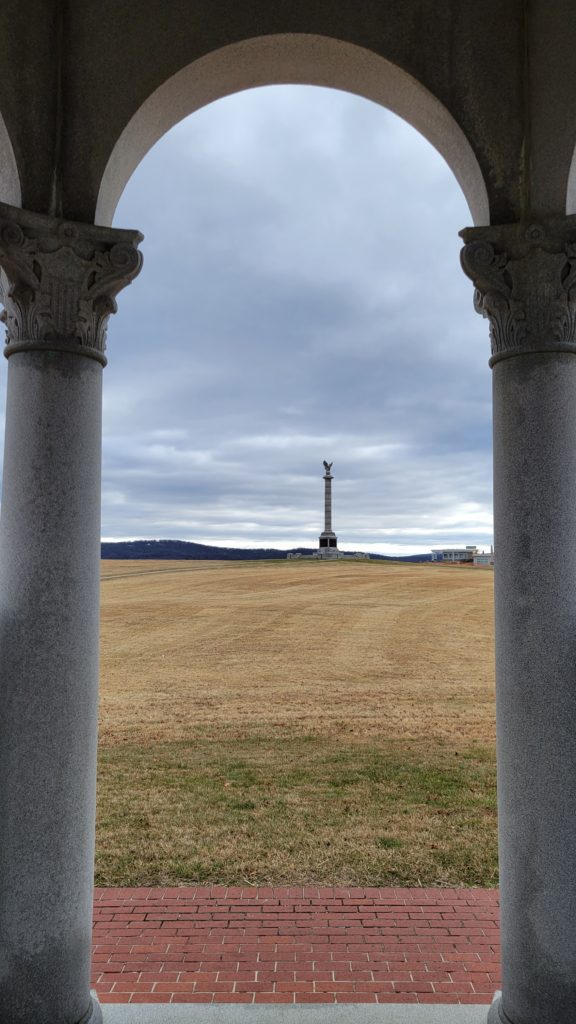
(265, 808)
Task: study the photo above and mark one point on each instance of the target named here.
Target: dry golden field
(296, 721)
(355, 649)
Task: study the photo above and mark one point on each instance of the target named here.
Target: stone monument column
(525, 281)
(328, 541)
(328, 478)
(58, 282)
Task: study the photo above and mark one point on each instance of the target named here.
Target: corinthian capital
(59, 280)
(525, 284)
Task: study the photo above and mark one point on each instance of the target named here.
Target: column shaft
(58, 283)
(327, 504)
(49, 594)
(525, 280)
(535, 580)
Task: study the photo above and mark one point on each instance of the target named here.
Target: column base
(496, 1014)
(93, 1014)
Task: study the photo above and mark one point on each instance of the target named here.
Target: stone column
(328, 501)
(328, 541)
(58, 282)
(525, 280)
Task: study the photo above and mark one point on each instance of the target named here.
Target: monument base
(327, 541)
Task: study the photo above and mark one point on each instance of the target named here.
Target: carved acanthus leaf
(525, 284)
(59, 281)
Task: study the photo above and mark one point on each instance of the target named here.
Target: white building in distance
(469, 554)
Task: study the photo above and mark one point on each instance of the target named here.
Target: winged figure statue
(328, 466)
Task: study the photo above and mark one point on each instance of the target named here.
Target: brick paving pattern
(296, 945)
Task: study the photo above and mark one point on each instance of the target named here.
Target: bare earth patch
(296, 722)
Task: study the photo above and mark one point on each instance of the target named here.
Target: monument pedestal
(328, 545)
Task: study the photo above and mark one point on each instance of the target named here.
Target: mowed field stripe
(296, 722)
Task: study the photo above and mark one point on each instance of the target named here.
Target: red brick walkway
(303, 945)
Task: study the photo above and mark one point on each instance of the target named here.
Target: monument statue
(328, 541)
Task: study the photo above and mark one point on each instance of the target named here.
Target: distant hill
(183, 549)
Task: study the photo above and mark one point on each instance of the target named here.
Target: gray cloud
(301, 299)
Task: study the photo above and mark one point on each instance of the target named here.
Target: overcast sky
(301, 299)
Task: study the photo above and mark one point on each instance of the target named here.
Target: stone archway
(571, 187)
(86, 89)
(10, 191)
(59, 284)
(296, 60)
